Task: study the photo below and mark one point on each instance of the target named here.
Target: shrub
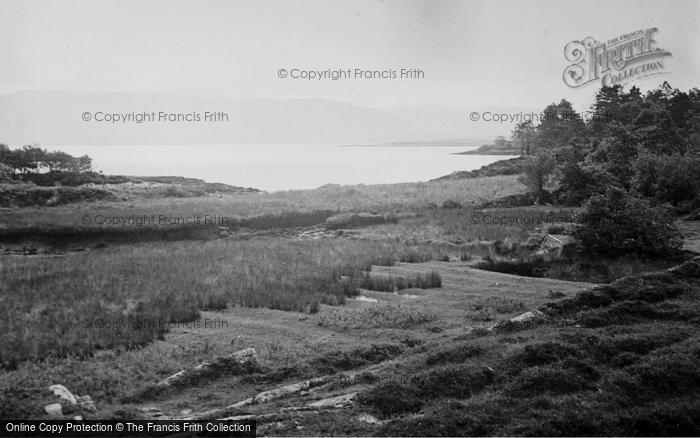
(391, 284)
(5, 173)
(537, 170)
(392, 398)
(361, 356)
(523, 268)
(668, 178)
(455, 355)
(662, 374)
(358, 220)
(541, 354)
(408, 396)
(617, 223)
(445, 418)
(548, 379)
(578, 181)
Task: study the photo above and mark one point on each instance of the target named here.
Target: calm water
(284, 167)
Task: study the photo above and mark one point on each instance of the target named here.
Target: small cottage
(554, 244)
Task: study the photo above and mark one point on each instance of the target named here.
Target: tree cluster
(632, 157)
(16, 163)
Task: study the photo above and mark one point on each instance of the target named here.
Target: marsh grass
(377, 316)
(392, 283)
(128, 296)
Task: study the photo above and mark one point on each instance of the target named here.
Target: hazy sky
(473, 53)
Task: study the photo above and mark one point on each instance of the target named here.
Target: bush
(392, 398)
(540, 354)
(617, 223)
(358, 220)
(339, 360)
(579, 181)
(668, 178)
(456, 355)
(5, 173)
(392, 284)
(523, 268)
(537, 170)
(409, 394)
(548, 379)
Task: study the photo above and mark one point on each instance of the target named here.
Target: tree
(537, 170)
(32, 158)
(578, 178)
(83, 164)
(559, 126)
(616, 154)
(524, 133)
(29, 159)
(57, 161)
(607, 107)
(5, 173)
(658, 133)
(668, 178)
(617, 223)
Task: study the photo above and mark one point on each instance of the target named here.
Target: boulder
(69, 403)
(334, 402)
(527, 317)
(371, 419)
(63, 393)
(55, 410)
(239, 362)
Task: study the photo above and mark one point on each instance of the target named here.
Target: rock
(367, 418)
(69, 409)
(272, 394)
(524, 320)
(55, 410)
(87, 403)
(63, 393)
(527, 317)
(238, 362)
(170, 380)
(153, 412)
(78, 418)
(334, 402)
(70, 403)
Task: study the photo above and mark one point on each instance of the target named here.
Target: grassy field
(384, 304)
(616, 360)
(612, 360)
(385, 198)
(127, 296)
(285, 342)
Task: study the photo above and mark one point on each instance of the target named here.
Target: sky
(473, 54)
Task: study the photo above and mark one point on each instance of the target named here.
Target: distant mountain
(55, 118)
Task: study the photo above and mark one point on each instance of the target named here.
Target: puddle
(406, 295)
